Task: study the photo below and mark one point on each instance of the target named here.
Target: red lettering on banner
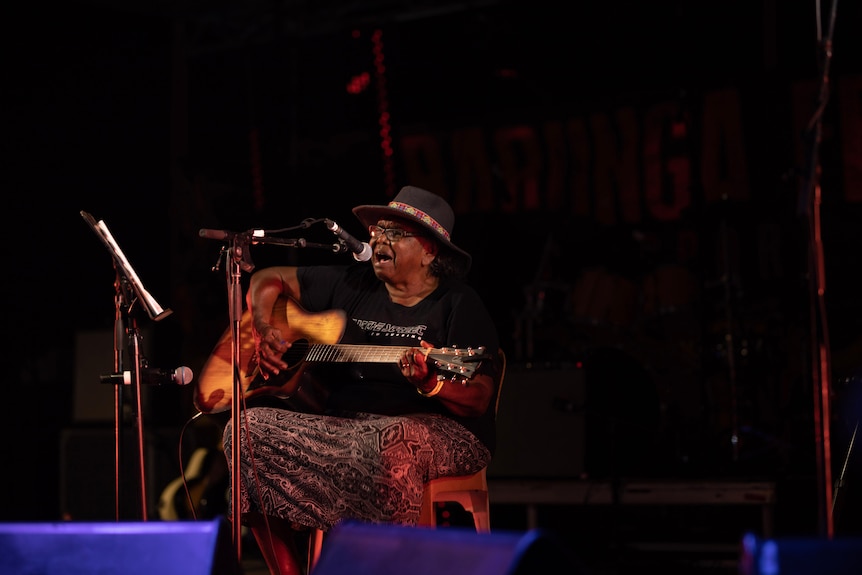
(555, 174)
(628, 175)
(604, 169)
(423, 161)
(724, 174)
(848, 126)
(667, 171)
(580, 159)
(615, 165)
(521, 165)
(474, 188)
(593, 172)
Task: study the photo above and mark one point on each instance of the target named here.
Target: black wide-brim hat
(424, 208)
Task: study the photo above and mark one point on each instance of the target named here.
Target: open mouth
(382, 257)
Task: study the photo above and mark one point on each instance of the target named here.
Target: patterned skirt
(315, 470)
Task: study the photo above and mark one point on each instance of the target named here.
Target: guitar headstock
(457, 361)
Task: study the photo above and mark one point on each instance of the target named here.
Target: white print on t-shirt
(379, 328)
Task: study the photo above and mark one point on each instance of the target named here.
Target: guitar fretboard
(353, 353)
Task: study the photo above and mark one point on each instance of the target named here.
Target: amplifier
(540, 422)
(88, 471)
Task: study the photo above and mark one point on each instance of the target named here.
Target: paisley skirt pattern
(315, 470)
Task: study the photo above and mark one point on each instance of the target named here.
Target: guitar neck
(354, 353)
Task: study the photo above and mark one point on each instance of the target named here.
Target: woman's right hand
(269, 346)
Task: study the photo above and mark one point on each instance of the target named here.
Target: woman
(383, 428)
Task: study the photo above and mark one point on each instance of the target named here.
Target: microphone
(153, 376)
(361, 250)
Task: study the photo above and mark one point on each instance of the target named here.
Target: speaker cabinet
(598, 416)
(540, 423)
(353, 548)
(87, 472)
(128, 548)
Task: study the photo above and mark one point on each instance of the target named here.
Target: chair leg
(481, 515)
(428, 513)
(474, 502)
(315, 544)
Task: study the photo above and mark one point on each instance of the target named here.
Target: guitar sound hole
(296, 353)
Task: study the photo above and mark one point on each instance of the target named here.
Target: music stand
(130, 291)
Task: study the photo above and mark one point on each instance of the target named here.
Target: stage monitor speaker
(127, 548)
(800, 556)
(540, 423)
(354, 548)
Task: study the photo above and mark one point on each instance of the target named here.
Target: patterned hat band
(421, 216)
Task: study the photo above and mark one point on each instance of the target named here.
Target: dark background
(158, 117)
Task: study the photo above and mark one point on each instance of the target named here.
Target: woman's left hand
(415, 368)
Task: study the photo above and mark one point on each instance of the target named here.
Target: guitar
(201, 492)
(313, 338)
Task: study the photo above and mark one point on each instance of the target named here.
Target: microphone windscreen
(183, 375)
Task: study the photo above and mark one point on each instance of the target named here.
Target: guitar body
(313, 338)
(214, 391)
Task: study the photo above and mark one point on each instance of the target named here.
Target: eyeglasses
(392, 234)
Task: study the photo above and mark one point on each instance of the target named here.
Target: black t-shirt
(453, 316)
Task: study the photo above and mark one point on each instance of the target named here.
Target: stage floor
(627, 526)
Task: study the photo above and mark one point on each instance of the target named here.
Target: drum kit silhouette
(662, 351)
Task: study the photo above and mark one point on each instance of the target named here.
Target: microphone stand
(130, 290)
(239, 260)
(235, 257)
(809, 207)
